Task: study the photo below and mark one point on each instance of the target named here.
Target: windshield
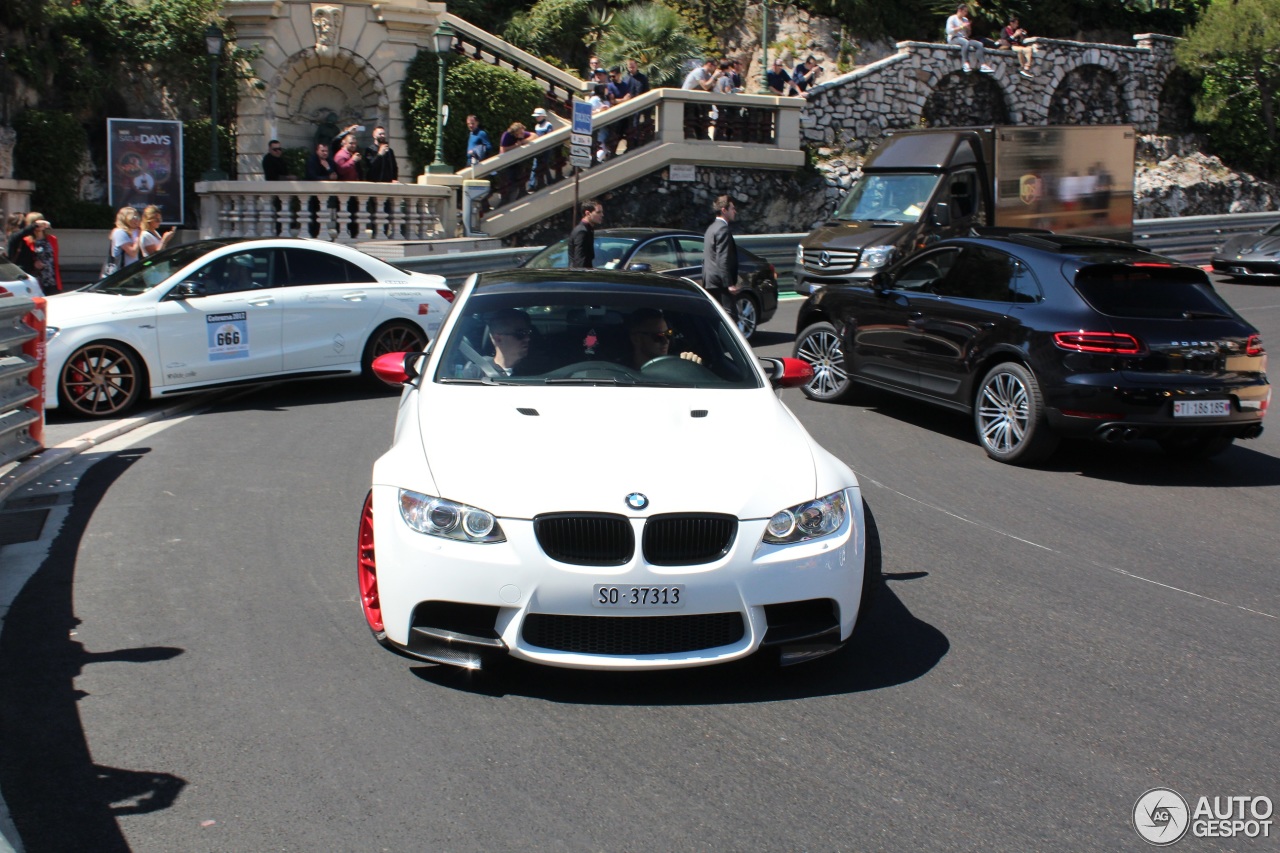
(609, 254)
(11, 272)
(141, 276)
(887, 198)
(614, 337)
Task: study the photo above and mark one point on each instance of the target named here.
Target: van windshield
(887, 198)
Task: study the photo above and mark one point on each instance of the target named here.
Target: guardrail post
(38, 320)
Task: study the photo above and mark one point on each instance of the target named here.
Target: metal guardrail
(1190, 239)
(1193, 238)
(21, 360)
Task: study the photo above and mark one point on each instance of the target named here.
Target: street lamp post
(764, 45)
(213, 45)
(444, 43)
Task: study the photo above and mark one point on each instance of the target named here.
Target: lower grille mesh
(632, 635)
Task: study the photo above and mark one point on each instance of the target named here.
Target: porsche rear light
(1254, 346)
(446, 294)
(1099, 342)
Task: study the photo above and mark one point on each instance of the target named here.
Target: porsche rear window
(1152, 292)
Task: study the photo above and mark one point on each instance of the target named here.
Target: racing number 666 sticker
(228, 335)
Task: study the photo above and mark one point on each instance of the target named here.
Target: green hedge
(49, 150)
(496, 96)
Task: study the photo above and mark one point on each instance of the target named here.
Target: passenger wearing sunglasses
(651, 338)
(510, 334)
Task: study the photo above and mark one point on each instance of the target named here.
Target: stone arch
(964, 100)
(1091, 93)
(1176, 109)
(311, 87)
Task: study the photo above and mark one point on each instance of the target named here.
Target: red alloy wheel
(367, 570)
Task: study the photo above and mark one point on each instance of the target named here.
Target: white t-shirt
(119, 239)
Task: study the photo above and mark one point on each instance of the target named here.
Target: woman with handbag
(126, 238)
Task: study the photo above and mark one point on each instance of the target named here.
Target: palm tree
(657, 37)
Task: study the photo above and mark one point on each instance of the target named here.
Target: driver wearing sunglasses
(510, 331)
(651, 337)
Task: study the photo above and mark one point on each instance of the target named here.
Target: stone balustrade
(337, 211)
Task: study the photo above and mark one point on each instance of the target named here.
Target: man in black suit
(720, 257)
(582, 240)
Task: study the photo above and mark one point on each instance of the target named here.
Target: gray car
(679, 254)
(1250, 255)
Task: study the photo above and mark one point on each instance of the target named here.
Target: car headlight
(809, 520)
(877, 256)
(448, 519)
(799, 254)
(50, 332)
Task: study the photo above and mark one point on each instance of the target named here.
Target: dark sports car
(678, 254)
(1045, 335)
(1250, 255)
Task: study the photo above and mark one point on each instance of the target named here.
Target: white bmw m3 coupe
(567, 486)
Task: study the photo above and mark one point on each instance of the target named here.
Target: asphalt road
(189, 668)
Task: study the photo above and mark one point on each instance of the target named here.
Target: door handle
(916, 319)
(262, 301)
(358, 296)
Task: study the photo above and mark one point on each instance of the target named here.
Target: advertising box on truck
(921, 186)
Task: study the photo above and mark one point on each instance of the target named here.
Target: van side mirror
(941, 215)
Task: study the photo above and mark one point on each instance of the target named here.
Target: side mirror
(187, 290)
(941, 215)
(880, 282)
(397, 368)
(788, 372)
(639, 267)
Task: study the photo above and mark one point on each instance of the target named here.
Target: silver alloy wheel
(748, 320)
(821, 349)
(1003, 413)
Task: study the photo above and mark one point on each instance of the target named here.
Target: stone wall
(923, 86)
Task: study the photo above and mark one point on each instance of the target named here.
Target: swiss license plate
(1201, 408)
(627, 597)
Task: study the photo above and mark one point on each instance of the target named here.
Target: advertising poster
(145, 159)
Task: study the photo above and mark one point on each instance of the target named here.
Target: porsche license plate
(1201, 408)
(627, 597)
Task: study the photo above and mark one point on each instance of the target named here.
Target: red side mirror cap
(390, 368)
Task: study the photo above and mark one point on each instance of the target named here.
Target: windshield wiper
(589, 380)
(454, 380)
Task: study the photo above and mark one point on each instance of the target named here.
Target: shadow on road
(890, 647)
(57, 797)
(1139, 463)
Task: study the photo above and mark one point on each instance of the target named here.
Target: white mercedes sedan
(566, 486)
(221, 312)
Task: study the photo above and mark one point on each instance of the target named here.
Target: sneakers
(986, 69)
(1025, 73)
(967, 68)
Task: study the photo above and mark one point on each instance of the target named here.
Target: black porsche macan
(1040, 336)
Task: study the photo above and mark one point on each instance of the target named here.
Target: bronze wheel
(100, 380)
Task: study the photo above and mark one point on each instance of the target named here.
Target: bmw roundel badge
(635, 500)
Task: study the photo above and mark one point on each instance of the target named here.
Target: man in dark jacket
(380, 161)
(582, 240)
(720, 257)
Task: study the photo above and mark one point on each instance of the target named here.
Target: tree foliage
(657, 37)
(1235, 48)
(496, 96)
(553, 30)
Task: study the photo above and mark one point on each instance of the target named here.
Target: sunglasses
(519, 334)
(658, 337)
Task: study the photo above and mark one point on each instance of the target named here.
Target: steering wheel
(660, 359)
(589, 369)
